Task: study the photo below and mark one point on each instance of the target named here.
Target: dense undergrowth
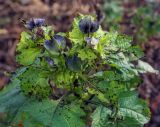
(141, 17)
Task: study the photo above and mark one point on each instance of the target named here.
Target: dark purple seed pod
(36, 22)
(51, 47)
(94, 27)
(74, 63)
(60, 40)
(86, 25)
(39, 21)
(30, 24)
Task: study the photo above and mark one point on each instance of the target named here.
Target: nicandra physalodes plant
(83, 77)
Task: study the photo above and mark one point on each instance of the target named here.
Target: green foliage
(142, 20)
(86, 54)
(93, 73)
(34, 113)
(147, 22)
(49, 113)
(114, 11)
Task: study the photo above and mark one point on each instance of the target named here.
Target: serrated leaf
(27, 56)
(35, 81)
(76, 35)
(25, 41)
(119, 42)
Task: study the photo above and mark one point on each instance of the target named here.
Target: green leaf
(111, 89)
(111, 43)
(11, 99)
(118, 41)
(128, 122)
(132, 112)
(122, 63)
(27, 56)
(76, 35)
(132, 107)
(25, 41)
